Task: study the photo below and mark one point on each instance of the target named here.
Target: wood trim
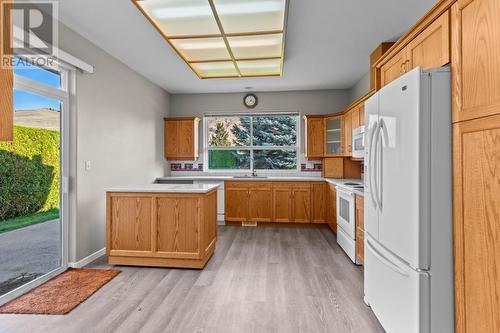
(237, 59)
(6, 82)
(416, 29)
(181, 118)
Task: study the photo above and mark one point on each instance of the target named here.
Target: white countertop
(269, 178)
(166, 188)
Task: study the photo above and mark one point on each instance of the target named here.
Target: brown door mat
(62, 293)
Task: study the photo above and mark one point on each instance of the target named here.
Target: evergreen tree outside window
(264, 142)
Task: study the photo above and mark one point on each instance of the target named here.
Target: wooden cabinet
(331, 207)
(362, 114)
(260, 203)
(354, 118)
(393, 68)
(475, 58)
(374, 57)
(347, 131)
(282, 197)
(275, 201)
(181, 138)
(333, 136)
(319, 197)
(360, 230)
(341, 167)
(427, 49)
(314, 137)
(431, 48)
(161, 229)
(301, 203)
(235, 201)
(476, 169)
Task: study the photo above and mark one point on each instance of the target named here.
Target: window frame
(251, 148)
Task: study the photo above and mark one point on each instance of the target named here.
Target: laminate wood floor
(259, 280)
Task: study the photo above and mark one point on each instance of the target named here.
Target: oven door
(346, 212)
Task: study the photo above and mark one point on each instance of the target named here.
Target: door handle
(384, 260)
(376, 158)
(370, 163)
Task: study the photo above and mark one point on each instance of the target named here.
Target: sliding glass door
(33, 181)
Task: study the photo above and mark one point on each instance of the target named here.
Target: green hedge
(29, 172)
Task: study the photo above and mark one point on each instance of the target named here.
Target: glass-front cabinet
(333, 136)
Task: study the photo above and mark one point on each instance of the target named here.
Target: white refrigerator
(408, 274)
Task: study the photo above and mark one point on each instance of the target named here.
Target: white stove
(346, 217)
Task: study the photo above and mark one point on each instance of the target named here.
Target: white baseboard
(87, 260)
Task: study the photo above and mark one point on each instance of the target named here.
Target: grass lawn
(24, 221)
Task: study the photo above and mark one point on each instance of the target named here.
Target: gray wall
(305, 102)
(118, 126)
(360, 88)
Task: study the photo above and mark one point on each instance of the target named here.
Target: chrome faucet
(254, 173)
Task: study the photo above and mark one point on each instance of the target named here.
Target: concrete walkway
(33, 250)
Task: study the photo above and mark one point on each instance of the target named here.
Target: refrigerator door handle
(384, 260)
(370, 164)
(382, 134)
(375, 167)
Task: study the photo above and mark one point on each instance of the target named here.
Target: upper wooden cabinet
(428, 48)
(475, 58)
(314, 137)
(374, 57)
(393, 68)
(347, 131)
(333, 136)
(431, 48)
(181, 138)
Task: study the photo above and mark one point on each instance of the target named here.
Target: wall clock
(250, 101)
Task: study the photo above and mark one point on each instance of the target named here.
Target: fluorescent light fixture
(223, 38)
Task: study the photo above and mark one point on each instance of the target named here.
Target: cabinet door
(431, 48)
(178, 227)
(362, 115)
(236, 204)
(360, 246)
(319, 194)
(301, 204)
(331, 207)
(475, 58)
(282, 197)
(348, 133)
(315, 138)
(170, 139)
(130, 236)
(333, 136)
(185, 131)
(476, 161)
(260, 204)
(360, 212)
(393, 68)
(355, 118)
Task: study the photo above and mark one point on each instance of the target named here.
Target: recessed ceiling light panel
(223, 38)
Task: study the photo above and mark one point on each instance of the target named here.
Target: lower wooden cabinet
(319, 194)
(161, 229)
(301, 203)
(360, 230)
(260, 203)
(291, 202)
(331, 207)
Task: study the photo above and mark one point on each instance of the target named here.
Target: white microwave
(358, 142)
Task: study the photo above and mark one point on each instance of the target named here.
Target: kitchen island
(172, 225)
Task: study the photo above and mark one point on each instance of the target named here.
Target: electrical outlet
(88, 165)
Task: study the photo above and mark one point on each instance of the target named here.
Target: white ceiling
(327, 44)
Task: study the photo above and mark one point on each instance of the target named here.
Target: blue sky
(24, 100)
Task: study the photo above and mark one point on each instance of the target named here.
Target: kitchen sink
(250, 177)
